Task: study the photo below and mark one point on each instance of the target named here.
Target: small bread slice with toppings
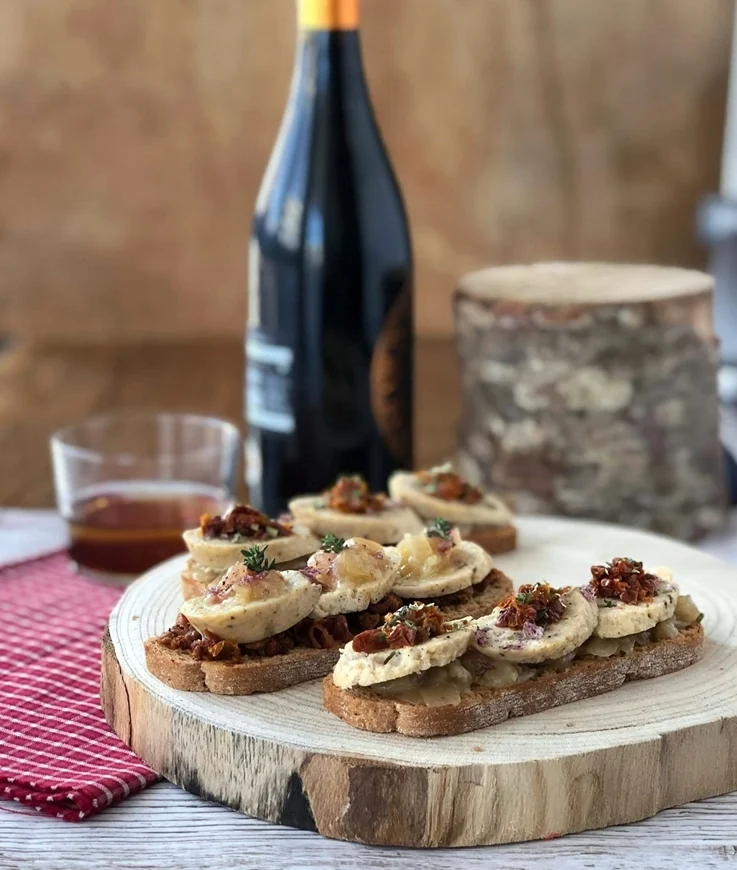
(537, 650)
(219, 540)
(438, 566)
(353, 574)
(440, 491)
(633, 606)
(349, 509)
(537, 624)
(259, 629)
(629, 599)
(414, 639)
(253, 601)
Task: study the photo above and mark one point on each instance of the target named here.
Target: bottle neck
(327, 14)
(329, 51)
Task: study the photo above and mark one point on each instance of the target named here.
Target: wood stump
(590, 390)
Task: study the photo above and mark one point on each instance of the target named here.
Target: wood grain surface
(618, 757)
(133, 137)
(165, 828)
(43, 387)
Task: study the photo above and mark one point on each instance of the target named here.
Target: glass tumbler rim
(63, 441)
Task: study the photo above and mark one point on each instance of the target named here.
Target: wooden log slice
(614, 758)
(590, 390)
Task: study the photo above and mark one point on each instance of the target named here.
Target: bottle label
(391, 380)
(269, 385)
(327, 14)
(254, 464)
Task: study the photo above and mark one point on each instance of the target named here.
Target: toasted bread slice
(180, 670)
(584, 678)
(494, 539)
(482, 601)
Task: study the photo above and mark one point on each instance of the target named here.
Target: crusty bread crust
(365, 709)
(269, 674)
(494, 539)
(482, 602)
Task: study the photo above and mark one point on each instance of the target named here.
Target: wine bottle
(329, 341)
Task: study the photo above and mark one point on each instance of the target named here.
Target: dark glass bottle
(329, 344)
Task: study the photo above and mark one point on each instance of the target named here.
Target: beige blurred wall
(133, 136)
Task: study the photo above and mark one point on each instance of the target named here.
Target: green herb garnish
(333, 544)
(256, 561)
(404, 615)
(439, 528)
(389, 657)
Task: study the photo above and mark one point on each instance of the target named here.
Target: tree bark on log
(590, 390)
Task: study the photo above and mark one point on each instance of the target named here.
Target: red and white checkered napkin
(57, 753)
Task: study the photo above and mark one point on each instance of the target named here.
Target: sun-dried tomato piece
(410, 625)
(277, 644)
(533, 604)
(350, 495)
(339, 629)
(184, 637)
(319, 636)
(446, 484)
(370, 641)
(401, 635)
(243, 522)
(624, 579)
(367, 621)
(388, 604)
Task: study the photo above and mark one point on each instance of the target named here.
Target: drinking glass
(128, 484)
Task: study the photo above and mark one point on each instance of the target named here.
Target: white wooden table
(164, 827)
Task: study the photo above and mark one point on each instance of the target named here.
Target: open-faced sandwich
(437, 566)
(259, 629)
(540, 648)
(350, 509)
(439, 491)
(634, 607)
(218, 542)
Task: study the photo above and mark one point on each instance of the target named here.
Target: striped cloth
(57, 753)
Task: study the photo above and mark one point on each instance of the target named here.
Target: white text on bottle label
(269, 385)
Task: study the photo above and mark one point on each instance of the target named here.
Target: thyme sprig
(256, 561)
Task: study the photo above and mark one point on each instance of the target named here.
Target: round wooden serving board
(614, 758)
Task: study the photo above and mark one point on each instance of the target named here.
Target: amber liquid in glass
(127, 529)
